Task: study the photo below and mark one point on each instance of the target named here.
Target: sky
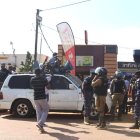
(107, 22)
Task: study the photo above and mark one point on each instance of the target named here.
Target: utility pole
(36, 37)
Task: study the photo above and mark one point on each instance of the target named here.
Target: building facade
(90, 57)
(16, 61)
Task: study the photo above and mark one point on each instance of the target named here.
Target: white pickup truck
(65, 95)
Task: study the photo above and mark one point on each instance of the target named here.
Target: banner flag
(68, 43)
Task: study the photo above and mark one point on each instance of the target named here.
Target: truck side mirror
(71, 86)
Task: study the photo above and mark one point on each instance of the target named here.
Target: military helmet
(118, 74)
(55, 54)
(101, 71)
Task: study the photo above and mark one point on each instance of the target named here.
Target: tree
(28, 65)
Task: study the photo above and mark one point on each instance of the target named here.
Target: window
(19, 82)
(111, 49)
(59, 82)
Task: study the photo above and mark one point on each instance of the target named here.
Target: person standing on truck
(118, 90)
(3, 74)
(100, 86)
(88, 96)
(41, 103)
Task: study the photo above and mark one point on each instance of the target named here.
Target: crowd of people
(120, 88)
(97, 83)
(5, 72)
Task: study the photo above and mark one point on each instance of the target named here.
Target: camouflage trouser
(137, 112)
(87, 103)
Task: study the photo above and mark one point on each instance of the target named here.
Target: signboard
(68, 42)
(39, 18)
(84, 60)
(127, 65)
(3, 57)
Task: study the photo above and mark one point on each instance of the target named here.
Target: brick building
(98, 55)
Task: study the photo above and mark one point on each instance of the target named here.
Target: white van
(65, 95)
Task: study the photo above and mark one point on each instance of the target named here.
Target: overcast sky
(107, 22)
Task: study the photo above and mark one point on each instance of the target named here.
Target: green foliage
(28, 65)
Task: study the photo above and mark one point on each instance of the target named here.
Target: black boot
(103, 124)
(100, 120)
(112, 113)
(135, 126)
(120, 113)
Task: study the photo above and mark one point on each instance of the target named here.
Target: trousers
(87, 103)
(100, 102)
(42, 109)
(137, 112)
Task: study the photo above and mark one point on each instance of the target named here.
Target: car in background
(65, 95)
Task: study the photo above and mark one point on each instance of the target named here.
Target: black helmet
(138, 83)
(101, 71)
(54, 54)
(118, 74)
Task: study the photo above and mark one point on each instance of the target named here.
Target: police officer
(118, 90)
(137, 106)
(100, 86)
(53, 59)
(88, 96)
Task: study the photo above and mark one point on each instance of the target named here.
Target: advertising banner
(68, 43)
(127, 65)
(84, 60)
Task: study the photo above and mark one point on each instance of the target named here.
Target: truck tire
(23, 109)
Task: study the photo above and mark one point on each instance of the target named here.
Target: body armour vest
(118, 86)
(101, 90)
(88, 86)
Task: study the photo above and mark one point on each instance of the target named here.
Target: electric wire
(88, 40)
(45, 39)
(75, 37)
(65, 5)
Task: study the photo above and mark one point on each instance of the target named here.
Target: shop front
(89, 57)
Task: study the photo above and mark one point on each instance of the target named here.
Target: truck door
(61, 96)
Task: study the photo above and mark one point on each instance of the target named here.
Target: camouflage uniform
(88, 102)
(89, 96)
(137, 105)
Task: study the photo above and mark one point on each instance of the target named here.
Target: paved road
(65, 127)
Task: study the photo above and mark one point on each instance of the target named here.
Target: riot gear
(118, 74)
(101, 71)
(54, 54)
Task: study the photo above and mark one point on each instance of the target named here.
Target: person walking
(137, 106)
(88, 96)
(41, 104)
(100, 86)
(118, 90)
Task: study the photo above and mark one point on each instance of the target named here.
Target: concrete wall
(9, 58)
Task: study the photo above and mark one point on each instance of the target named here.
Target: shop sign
(3, 57)
(127, 65)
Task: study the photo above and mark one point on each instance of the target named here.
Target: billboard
(68, 43)
(127, 65)
(84, 60)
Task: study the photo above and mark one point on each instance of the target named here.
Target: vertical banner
(67, 40)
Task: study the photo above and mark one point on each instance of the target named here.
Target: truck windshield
(74, 79)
